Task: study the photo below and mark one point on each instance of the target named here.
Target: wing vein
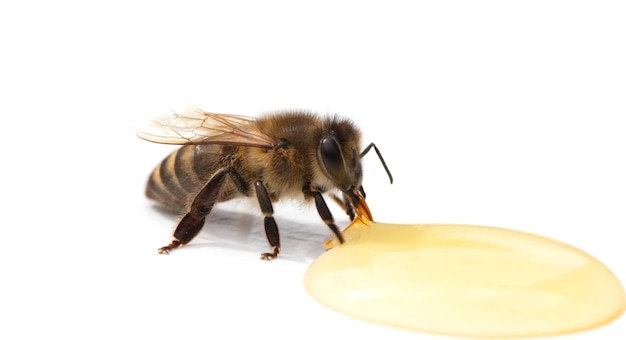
(195, 126)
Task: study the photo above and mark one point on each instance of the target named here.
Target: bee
(283, 154)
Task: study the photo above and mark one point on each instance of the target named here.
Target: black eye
(331, 157)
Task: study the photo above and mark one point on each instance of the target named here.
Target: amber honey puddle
(464, 280)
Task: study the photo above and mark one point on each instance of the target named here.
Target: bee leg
(345, 204)
(326, 216)
(271, 229)
(191, 224)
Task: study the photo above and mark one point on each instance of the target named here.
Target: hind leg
(191, 224)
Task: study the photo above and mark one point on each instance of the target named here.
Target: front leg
(346, 205)
(191, 224)
(325, 214)
(271, 229)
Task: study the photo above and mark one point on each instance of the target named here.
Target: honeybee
(284, 154)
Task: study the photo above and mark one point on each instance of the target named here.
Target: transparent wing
(195, 126)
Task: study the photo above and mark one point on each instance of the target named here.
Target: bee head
(339, 158)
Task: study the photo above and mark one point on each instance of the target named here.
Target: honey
(464, 280)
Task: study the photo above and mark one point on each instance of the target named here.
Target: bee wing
(195, 126)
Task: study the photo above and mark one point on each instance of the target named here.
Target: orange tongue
(363, 210)
(363, 217)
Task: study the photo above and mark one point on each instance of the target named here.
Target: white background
(507, 114)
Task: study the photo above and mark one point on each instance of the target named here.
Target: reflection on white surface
(238, 225)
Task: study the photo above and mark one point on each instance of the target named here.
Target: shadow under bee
(230, 226)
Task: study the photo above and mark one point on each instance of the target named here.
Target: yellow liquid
(464, 280)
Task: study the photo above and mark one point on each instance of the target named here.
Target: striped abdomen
(176, 181)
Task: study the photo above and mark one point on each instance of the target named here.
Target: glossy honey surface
(464, 280)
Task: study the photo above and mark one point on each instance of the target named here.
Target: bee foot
(270, 256)
(167, 249)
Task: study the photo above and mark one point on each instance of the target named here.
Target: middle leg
(271, 229)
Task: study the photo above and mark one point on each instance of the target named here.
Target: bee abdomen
(174, 181)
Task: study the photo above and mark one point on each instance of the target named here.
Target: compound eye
(332, 159)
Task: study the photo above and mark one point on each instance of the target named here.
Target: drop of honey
(464, 280)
